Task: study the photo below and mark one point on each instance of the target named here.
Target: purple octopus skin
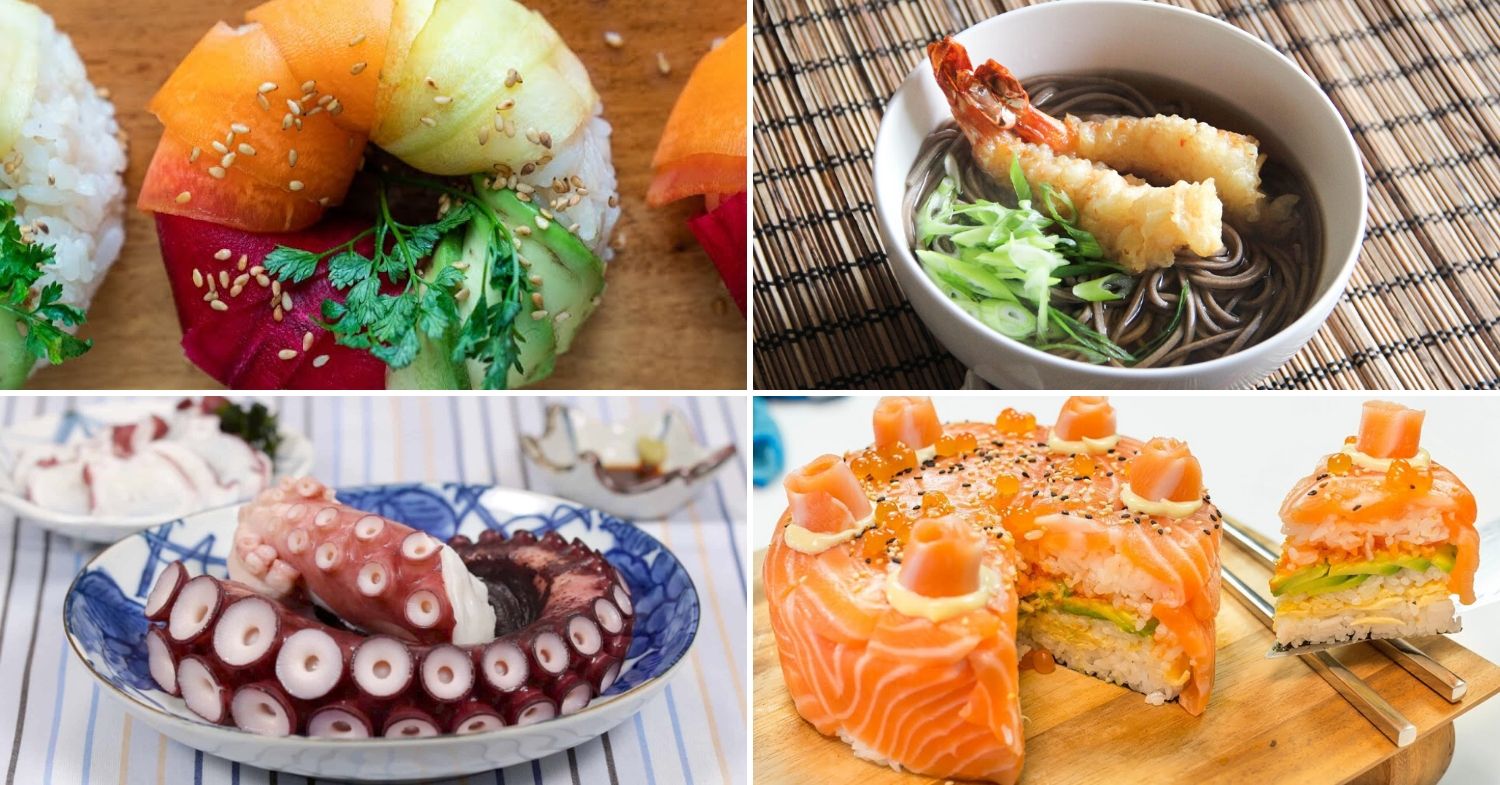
(271, 666)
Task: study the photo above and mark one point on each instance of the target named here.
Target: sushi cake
(62, 197)
(909, 582)
(1379, 538)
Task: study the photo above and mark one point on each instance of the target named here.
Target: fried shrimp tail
(1140, 225)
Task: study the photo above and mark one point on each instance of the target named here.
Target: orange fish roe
(1013, 422)
(890, 524)
(868, 464)
(1402, 477)
(956, 443)
(1340, 464)
(935, 503)
(1350, 439)
(1006, 485)
(1083, 465)
(1043, 662)
(898, 457)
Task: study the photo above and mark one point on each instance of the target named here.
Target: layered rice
(1407, 604)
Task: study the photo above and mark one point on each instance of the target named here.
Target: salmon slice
(825, 496)
(236, 100)
(1166, 471)
(174, 185)
(910, 420)
(1389, 430)
(942, 558)
(1085, 416)
(337, 46)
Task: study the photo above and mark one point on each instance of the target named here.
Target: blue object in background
(766, 445)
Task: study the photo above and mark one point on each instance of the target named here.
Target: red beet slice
(241, 347)
(722, 233)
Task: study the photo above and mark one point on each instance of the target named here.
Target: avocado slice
(1445, 557)
(433, 368)
(1099, 609)
(1281, 584)
(1326, 584)
(1372, 567)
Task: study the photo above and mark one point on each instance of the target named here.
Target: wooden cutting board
(666, 320)
(1268, 721)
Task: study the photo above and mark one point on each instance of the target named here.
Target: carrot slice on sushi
(1377, 540)
(1085, 417)
(176, 185)
(334, 48)
(903, 639)
(911, 421)
(215, 103)
(1389, 430)
(703, 148)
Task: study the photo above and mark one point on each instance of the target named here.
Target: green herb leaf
(347, 268)
(41, 315)
(255, 424)
(291, 264)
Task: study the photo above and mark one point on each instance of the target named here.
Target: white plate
(106, 627)
(295, 457)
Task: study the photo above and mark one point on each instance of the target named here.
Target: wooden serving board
(1268, 721)
(666, 321)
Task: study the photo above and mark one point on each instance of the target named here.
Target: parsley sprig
(41, 315)
(389, 300)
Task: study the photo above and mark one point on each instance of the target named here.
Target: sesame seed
(265, 106)
(266, 87)
(276, 287)
(662, 65)
(235, 291)
(542, 222)
(242, 279)
(240, 128)
(442, 100)
(193, 156)
(218, 305)
(357, 68)
(524, 188)
(286, 122)
(546, 139)
(428, 121)
(197, 278)
(287, 354)
(224, 278)
(257, 270)
(614, 39)
(307, 340)
(563, 317)
(614, 200)
(277, 314)
(309, 86)
(219, 147)
(512, 78)
(314, 111)
(357, 40)
(538, 315)
(325, 100)
(223, 254)
(295, 185)
(293, 107)
(297, 121)
(184, 197)
(320, 361)
(227, 161)
(531, 135)
(263, 280)
(246, 149)
(432, 83)
(286, 301)
(217, 172)
(523, 231)
(536, 299)
(291, 157)
(334, 107)
(244, 260)
(573, 227)
(484, 134)
(499, 124)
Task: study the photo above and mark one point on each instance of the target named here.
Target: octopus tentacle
(165, 590)
(475, 717)
(382, 667)
(194, 609)
(263, 707)
(447, 673)
(409, 722)
(528, 705)
(340, 720)
(161, 660)
(203, 688)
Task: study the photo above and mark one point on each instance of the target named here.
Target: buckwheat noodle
(1247, 292)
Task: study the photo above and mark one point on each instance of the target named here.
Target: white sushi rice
(63, 175)
(1420, 527)
(585, 156)
(1418, 605)
(1104, 651)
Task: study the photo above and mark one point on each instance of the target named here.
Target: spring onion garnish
(1006, 266)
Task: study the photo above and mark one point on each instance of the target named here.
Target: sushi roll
(1379, 539)
(61, 193)
(382, 194)
(910, 583)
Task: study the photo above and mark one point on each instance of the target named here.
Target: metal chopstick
(1413, 660)
(1376, 709)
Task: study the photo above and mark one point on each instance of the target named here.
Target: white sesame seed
(442, 100)
(223, 254)
(538, 315)
(506, 105)
(286, 301)
(263, 280)
(224, 278)
(208, 298)
(293, 107)
(536, 299)
(265, 106)
(358, 68)
(197, 278)
(325, 100)
(484, 134)
(227, 161)
(357, 40)
(218, 305)
(266, 87)
(432, 83)
(562, 317)
(428, 121)
(240, 128)
(287, 354)
(309, 86)
(286, 122)
(235, 291)
(614, 39)
(193, 156)
(320, 361)
(291, 157)
(523, 231)
(307, 340)
(314, 110)
(219, 147)
(297, 121)
(334, 107)
(257, 270)
(244, 260)
(662, 65)
(276, 287)
(295, 185)
(184, 197)
(277, 314)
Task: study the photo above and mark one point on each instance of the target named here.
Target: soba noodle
(1247, 292)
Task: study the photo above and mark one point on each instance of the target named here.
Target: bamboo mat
(1418, 82)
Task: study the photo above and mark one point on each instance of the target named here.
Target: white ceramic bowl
(1082, 36)
(105, 624)
(294, 457)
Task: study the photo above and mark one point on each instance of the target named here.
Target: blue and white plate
(106, 627)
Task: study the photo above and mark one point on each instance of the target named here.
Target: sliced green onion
(1103, 289)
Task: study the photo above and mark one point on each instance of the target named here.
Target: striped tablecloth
(59, 729)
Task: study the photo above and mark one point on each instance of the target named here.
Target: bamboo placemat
(1418, 82)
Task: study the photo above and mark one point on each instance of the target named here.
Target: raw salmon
(911, 421)
(1085, 416)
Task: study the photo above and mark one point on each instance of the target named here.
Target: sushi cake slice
(1379, 538)
(909, 583)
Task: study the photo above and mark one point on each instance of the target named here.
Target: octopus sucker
(295, 659)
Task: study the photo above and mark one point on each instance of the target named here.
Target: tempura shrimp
(1140, 225)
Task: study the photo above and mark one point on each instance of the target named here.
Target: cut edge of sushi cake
(1378, 540)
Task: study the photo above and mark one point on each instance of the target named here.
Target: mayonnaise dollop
(803, 540)
(1084, 445)
(1165, 508)
(937, 609)
(1369, 462)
